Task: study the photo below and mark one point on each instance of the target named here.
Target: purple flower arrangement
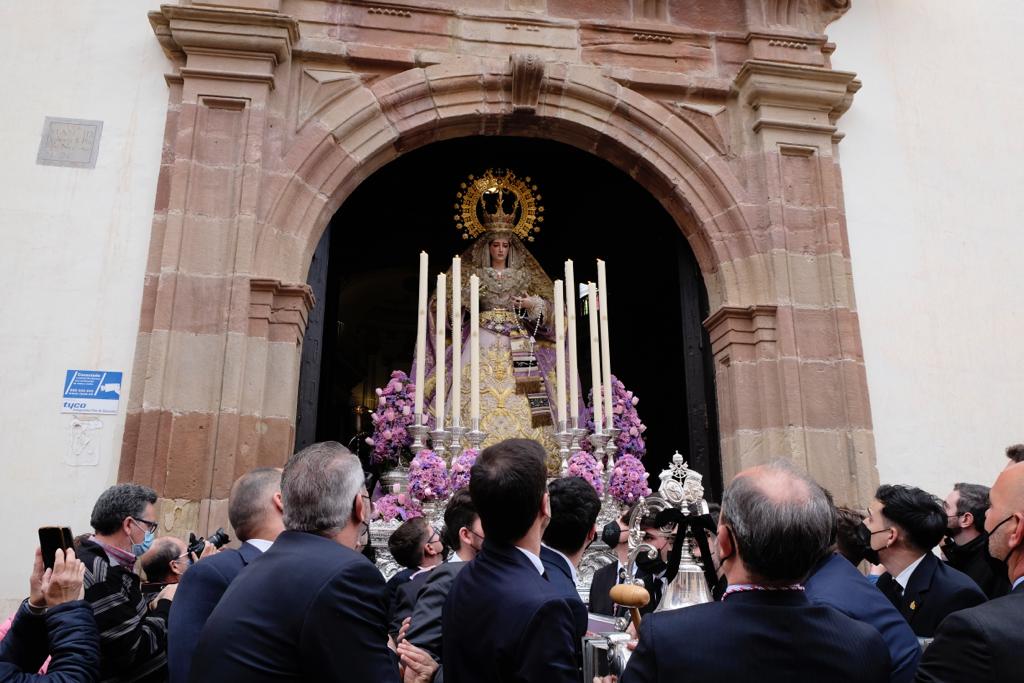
(459, 475)
(628, 480)
(584, 465)
(428, 476)
(626, 418)
(396, 506)
(391, 439)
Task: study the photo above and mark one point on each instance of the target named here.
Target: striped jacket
(133, 638)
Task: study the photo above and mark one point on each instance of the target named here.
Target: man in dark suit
(574, 510)
(984, 643)
(966, 545)
(311, 607)
(902, 526)
(775, 523)
(614, 573)
(254, 510)
(835, 582)
(416, 546)
(504, 621)
(465, 536)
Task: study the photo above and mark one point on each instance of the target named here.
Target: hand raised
(64, 582)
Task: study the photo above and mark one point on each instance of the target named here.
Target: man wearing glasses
(133, 634)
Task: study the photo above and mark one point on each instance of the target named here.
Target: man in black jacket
(902, 526)
(53, 622)
(966, 545)
(133, 632)
(775, 524)
(985, 643)
(311, 608)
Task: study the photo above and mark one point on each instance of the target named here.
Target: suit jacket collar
(557, 560)
(921, 580)
(767, 597)
(506, 553)
(249, 552)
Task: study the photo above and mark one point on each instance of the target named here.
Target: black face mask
(1003, 561)
(653, 567)
(611, 534)
(864, 535)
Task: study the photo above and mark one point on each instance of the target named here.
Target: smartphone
(52, 538)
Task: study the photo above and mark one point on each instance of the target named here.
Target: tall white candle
(574, 373)
(421, 333)
(439, 343)
(560, 350)
(595, 357)
(456, 342)
(474, 347)
(606, 358)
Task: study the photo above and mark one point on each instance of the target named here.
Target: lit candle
(574, 373)
(474, 348)
(439, 339)
(606, 358)
(560, 349)
(456, 342)
(421, 333)
(595, 357)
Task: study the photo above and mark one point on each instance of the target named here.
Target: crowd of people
(493, 594)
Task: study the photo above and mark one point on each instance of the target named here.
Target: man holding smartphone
(133, 634)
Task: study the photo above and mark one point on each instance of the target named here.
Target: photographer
(133, 640)
(54, 622)
(167, 561)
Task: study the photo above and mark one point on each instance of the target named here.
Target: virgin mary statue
(517, 350)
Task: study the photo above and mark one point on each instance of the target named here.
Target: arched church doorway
(364, 278)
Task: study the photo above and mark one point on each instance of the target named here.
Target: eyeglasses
(150, 526)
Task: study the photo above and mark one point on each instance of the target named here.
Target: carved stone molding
(748, 326)
(223, 43)
(795, 97)
(527, 76)
(279, 311)
(804, 15)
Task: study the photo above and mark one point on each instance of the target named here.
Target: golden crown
(498, 201)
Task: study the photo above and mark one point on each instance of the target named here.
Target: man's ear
(545, 505)
(1016, 537)
(278, 501)
(726, 548)
(966, 521)
(592, 534)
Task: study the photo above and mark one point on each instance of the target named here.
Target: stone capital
(795, 97)
(279, 311)
(225, 44)
(747, 326)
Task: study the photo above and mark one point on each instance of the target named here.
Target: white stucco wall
(74, 245)
(934, 186)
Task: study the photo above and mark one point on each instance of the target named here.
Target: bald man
(984, 643)
(776, 522)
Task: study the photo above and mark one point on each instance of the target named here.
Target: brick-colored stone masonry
(725, 110)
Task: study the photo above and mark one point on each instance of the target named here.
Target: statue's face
(499, 252)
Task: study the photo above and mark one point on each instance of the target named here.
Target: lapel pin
(913, 604)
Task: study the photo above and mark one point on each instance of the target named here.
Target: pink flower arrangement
(628, 481)
(391, 439)
(630, 440)
(396, 506)
(459, 475)
(428, 476)
(584, 465)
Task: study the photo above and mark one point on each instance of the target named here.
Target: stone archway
(263, 146)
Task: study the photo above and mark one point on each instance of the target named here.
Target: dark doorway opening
(364, 275)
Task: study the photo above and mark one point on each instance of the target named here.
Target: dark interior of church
(364, 276)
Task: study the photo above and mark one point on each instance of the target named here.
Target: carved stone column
(217, 359)
(790, 373)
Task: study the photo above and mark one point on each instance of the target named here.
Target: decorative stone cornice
(795, 97)
(278, 310)
(204, 30)
(746, 326)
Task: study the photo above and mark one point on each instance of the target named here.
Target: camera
(196, 545)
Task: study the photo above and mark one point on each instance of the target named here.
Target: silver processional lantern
(681, 514)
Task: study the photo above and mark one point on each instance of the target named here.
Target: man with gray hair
(311, 608)
(775, 523)
(255, 512)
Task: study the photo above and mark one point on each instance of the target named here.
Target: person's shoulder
(955, 581)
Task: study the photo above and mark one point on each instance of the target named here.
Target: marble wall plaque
(69, 142)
